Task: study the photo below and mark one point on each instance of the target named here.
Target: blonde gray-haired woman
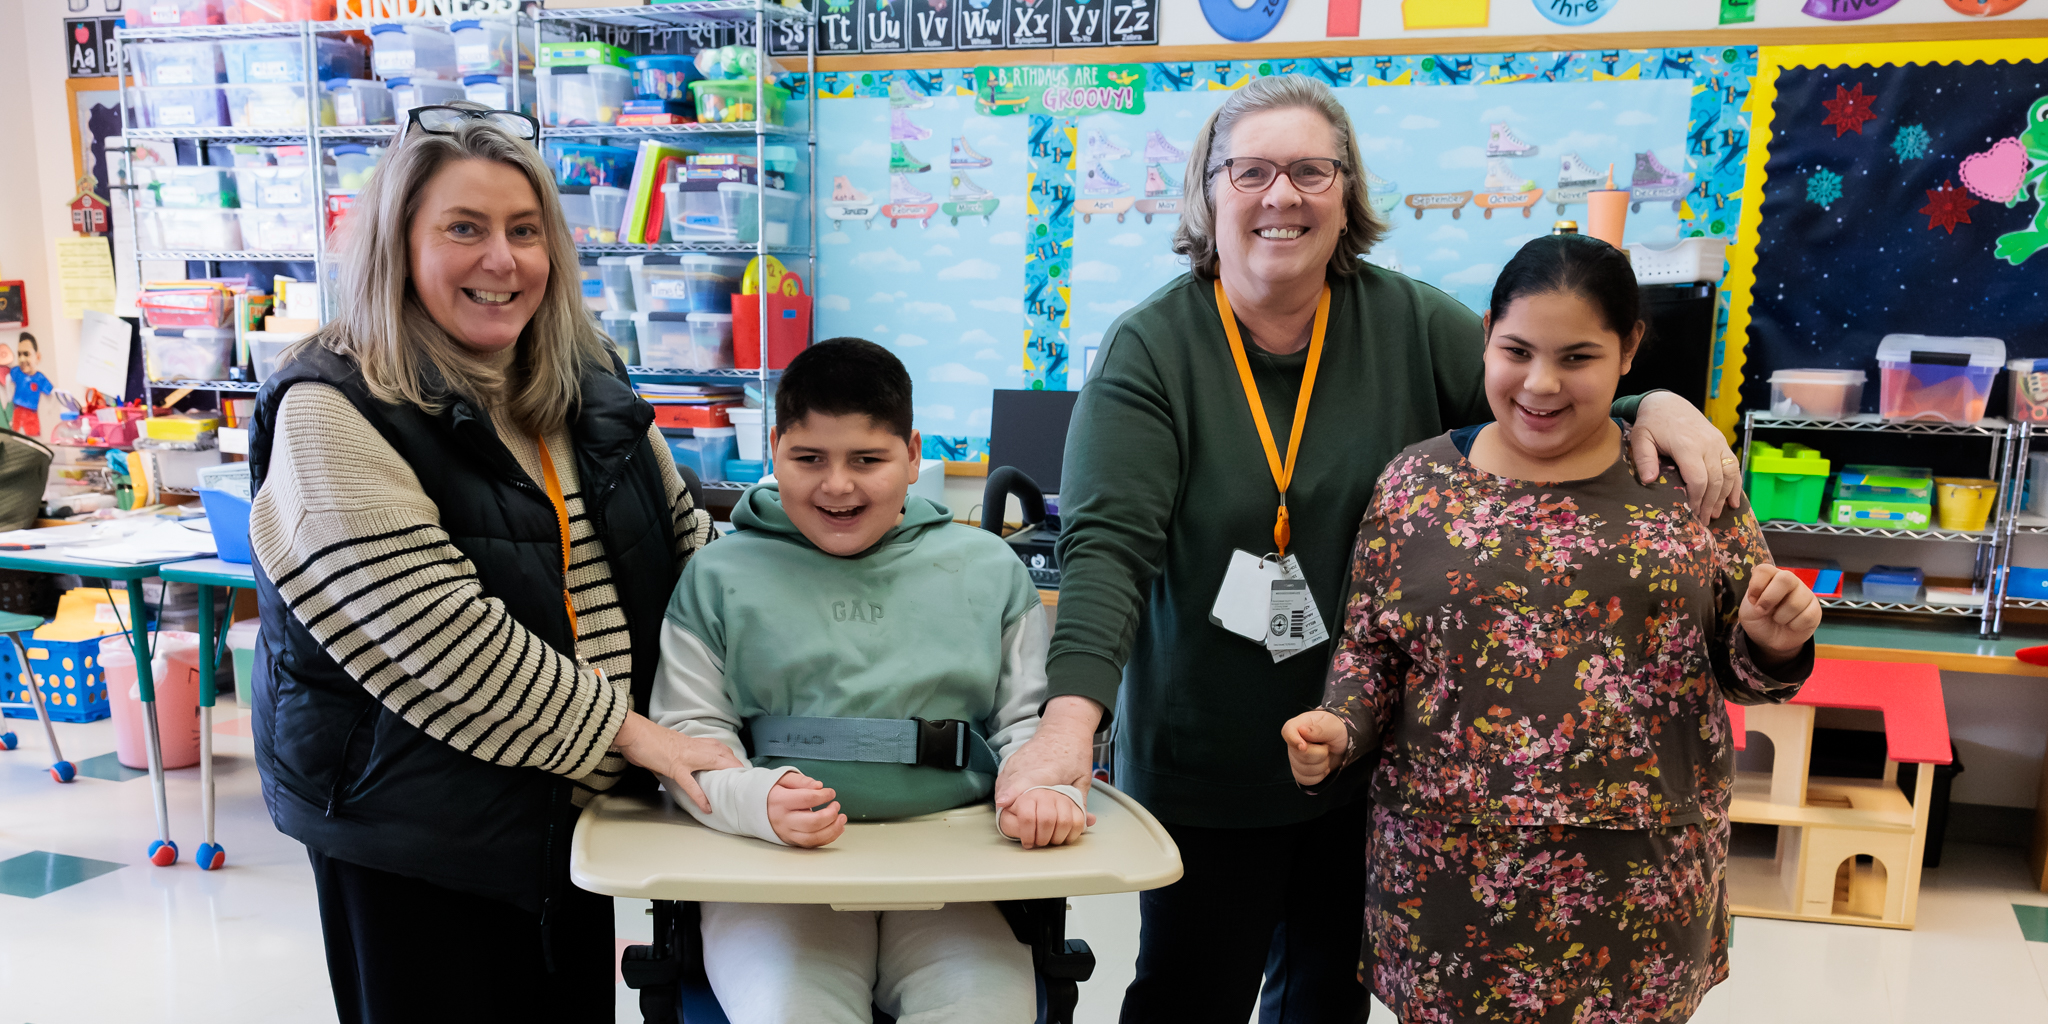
(1245, 409)
(466, 529)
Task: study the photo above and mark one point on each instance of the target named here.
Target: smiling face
(479, 258)
(1280, 234)
(1552, 365)
(843, 479)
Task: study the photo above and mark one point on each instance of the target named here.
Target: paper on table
(161, 542)
(81, 533)
(103, 352)
(85, 273)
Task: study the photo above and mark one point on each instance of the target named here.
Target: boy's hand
(1044, 818)
(1061, 753)
(790, 812)
(1779, 613)
(672, 755)
(1315, 741)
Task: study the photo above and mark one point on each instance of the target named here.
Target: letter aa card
(1082, 23)
(882, 26)
(931, 24)
(981, 23)
(1031, 24)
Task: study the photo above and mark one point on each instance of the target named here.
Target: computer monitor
(1028, 430)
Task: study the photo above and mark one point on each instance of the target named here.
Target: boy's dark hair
(1575, 265)
(30, 339)
(841, 377)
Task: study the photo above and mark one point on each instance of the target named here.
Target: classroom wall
(21, 224)
(43, 146)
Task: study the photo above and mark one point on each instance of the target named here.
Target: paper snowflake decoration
(1848, 110)
(1947, 207)
(1911, 143)
(1823, 187)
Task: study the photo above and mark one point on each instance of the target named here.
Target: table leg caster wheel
(8, 741)
(163, 853)
(63, 771)
(210, 856)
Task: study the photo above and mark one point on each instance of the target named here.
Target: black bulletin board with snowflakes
(1895, 199)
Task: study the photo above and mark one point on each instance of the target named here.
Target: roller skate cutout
(849, 203)
(1101, 193)
(1506, 190)
(968, 200)
(908, 202)
(1654, 183)
(1574, 181)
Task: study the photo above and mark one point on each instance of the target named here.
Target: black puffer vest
(348, 778)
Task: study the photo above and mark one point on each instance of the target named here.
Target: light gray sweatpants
(808, 964)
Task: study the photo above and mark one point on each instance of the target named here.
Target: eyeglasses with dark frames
(1256, 174)
(441, 120)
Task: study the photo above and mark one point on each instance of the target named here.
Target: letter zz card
(838, 27)
(1082, 23)
(882, 26)
(931, 24)
(1031, 24)
(981, 23)
(1133, 22)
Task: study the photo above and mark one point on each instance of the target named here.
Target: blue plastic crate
(70, 672)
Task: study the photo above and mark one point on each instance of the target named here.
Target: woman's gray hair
(405, 356)
(1196, 236)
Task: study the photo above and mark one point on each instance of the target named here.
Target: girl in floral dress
(1542, 666)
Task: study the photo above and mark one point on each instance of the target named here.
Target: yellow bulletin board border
(72, 87)
(1763, 94)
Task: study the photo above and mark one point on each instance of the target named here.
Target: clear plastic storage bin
(617, 274)
(192, 230)
(2029, 390)
(272, 106)
(274, 187)
(704, 451)
(730, 100)
(177, 12)
(1930, 378)
(1899, 584)
(265, 347)
(495, 91)
(625, 334)
(177, 63)
(743, 206)
(188, 353)
(578, 163)
(360, 101)
(483, 47)
(710, 340)
(1817, 394)
(253, 12)
(353, 163)
(412, 51)
(594, 216)
(691, 341)
(407, 93)
(691, 283)
(186, 188)
(277, 230)
(695, 213)
(663, 76)
(587, 95)
(177, 106)
(272, 61)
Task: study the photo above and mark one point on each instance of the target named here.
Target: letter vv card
(931, 24)
(882, 28)
(1031, 24)
(981, 23)
(1083, 23)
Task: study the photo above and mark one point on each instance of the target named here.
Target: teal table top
(211, 571)
(56, 563)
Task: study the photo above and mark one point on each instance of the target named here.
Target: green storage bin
(1907, 484)
(1787, 483)
(1887, 515)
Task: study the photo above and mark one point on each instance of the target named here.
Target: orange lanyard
(1283, 473)
(554, 485)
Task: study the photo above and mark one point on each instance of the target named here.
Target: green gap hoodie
(937, 620)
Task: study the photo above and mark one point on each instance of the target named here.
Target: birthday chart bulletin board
(991, 236)
(1895, 189)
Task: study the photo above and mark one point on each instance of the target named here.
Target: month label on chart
(931, 24)
(1133, 22)
(981, 23)
(1031, 24)
(1082, 23)
(882, 28)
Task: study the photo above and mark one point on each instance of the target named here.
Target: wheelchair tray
(646, 847)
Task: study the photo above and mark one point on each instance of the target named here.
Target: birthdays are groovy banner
(990, 229)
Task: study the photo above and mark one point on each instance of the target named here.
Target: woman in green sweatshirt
(1170, 469)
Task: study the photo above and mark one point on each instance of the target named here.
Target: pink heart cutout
(1996, 173)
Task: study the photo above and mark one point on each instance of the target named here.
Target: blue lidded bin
(229, 516)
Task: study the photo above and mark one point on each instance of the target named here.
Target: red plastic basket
(789, 319)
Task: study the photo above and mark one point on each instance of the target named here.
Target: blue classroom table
(209, 573)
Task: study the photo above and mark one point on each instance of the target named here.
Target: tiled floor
(111, 938)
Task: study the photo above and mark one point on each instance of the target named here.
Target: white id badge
(1242, 603)
(1293, 623)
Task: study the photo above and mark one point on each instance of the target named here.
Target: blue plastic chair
(14, 624)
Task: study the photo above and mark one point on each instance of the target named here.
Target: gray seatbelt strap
(950, 743)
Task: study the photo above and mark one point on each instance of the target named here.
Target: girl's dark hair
(1576, 265)
(843, 376)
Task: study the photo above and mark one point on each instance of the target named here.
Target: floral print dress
(1544, 667)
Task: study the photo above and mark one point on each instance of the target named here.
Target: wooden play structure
(1848, 850)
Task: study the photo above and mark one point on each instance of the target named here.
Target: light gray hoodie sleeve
(690, 697)
(1021, 687)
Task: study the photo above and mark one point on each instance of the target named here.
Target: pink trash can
(175, 672)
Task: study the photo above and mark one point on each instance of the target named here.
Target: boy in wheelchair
(870, 659)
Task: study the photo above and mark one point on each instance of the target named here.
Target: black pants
(1284, 905)
(401, 950)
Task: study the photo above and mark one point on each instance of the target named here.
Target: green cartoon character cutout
(2018, 246)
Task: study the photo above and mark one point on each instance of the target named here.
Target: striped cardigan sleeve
(356, 551)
